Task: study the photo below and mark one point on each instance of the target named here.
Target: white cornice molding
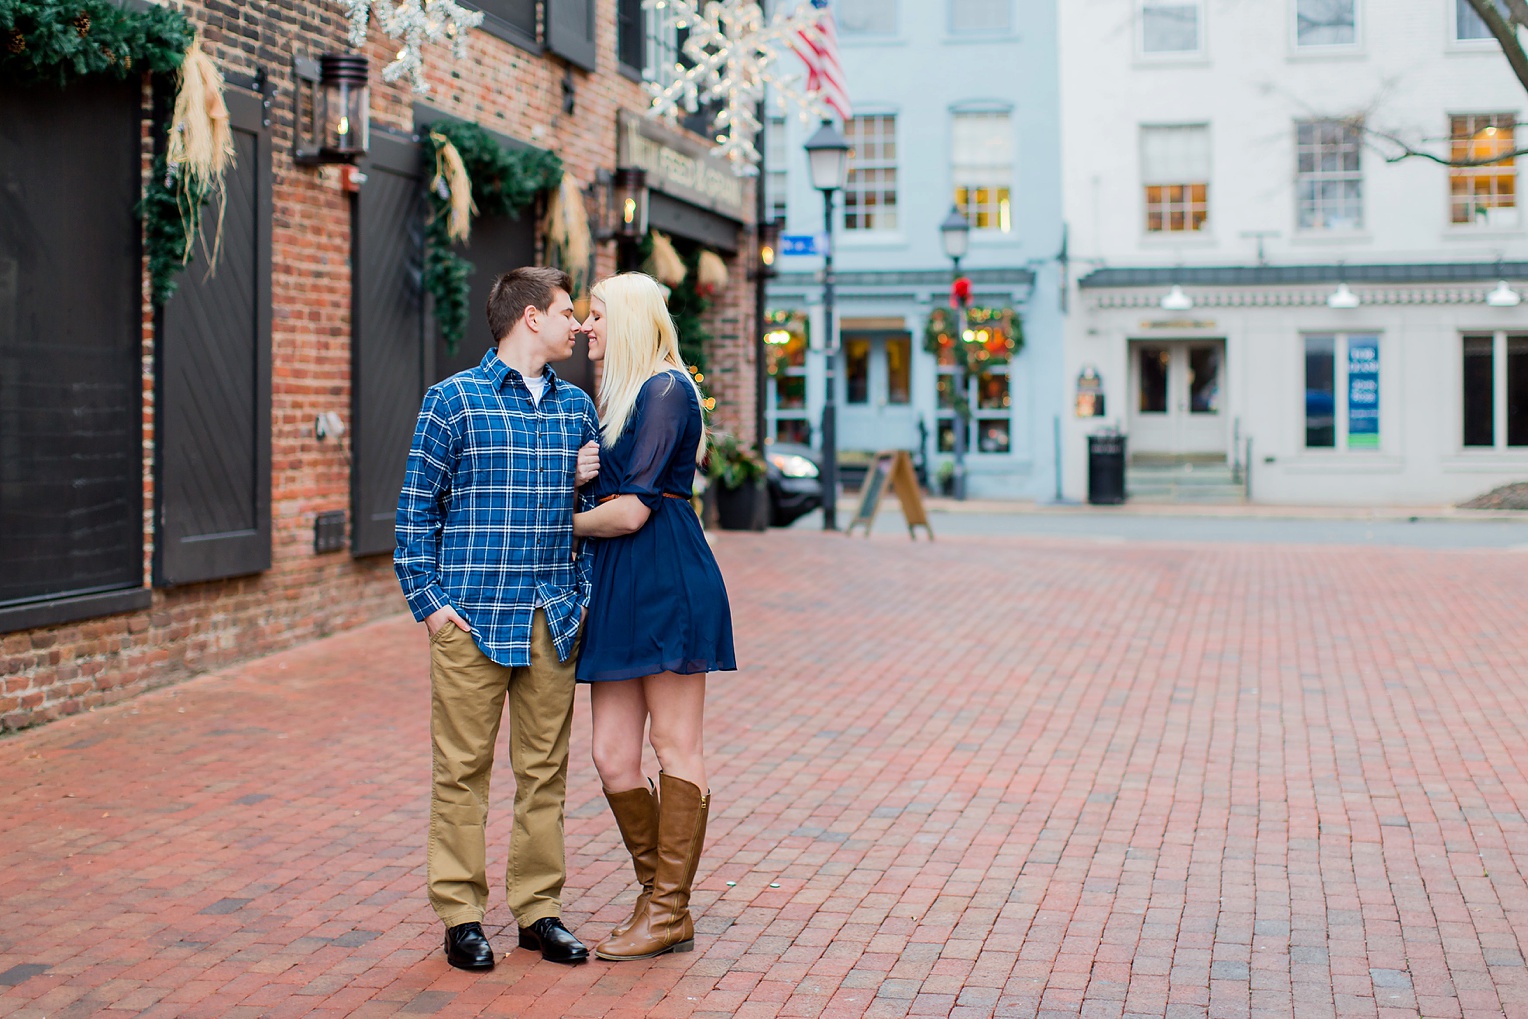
(1284, 297)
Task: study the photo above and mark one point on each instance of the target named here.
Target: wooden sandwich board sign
(893, 468)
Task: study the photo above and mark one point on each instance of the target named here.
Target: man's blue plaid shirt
(485, 518)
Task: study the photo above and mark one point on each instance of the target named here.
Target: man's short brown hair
(514, 291)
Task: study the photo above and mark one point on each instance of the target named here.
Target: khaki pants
(467, 700)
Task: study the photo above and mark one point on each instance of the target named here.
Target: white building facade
(1259, 295)
(955, 102)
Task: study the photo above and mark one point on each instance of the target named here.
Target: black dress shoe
(556, 942)
(467, 947)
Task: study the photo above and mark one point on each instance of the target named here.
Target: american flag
(818, 49)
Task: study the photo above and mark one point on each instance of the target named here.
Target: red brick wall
(54, 671)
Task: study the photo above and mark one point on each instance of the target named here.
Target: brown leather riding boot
(636, 815)
(665, 925)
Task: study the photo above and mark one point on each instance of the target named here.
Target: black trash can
(1106, 470)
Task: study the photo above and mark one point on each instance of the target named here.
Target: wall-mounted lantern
(333, 108)
(630, 193)
(769, 246)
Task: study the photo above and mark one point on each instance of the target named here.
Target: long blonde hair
(640, 342)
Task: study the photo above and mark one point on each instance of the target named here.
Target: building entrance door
(876, 409)
(1177, 402)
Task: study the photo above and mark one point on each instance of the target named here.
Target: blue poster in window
(1363, 392)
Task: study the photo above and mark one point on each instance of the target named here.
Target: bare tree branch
(1406, 151)
(1505, 35)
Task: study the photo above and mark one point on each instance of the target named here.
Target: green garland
(59, 41)
(56, 42)
(171, 210)
(504, 183)
(1003, 327)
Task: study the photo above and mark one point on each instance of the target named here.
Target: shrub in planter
(737, 477)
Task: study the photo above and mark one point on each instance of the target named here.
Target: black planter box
(742, 509)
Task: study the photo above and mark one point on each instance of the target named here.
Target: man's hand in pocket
(440, 617)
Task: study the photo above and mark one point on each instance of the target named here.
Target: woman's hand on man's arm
(588, 467)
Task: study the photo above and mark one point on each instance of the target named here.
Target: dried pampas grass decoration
(665, 265)
(710, 273)
(452, 183)
(569, 241)
(201, 143)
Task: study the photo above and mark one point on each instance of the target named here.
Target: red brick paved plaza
(988, 776)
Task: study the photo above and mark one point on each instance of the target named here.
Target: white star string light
(414, 22)
(732, 52)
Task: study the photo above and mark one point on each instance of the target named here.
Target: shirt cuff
(427, 600)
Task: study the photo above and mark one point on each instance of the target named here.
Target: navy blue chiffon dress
(658, 602)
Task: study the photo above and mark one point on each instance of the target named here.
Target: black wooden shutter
(570, 31)
(631, 34)
(71, 341)
(517, 15)
(213, 438)
(387, 343)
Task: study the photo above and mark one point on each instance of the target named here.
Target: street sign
(798, 244)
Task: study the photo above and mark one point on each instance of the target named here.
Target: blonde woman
(658, 614)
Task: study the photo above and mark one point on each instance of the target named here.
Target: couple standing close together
(509, 476)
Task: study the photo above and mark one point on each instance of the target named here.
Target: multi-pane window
(664, 57)
(1326, 22)
(1175, 172)
(1171, 26)
(982, 170)
(786, 344)
(776, 180)
(1469, 25)
(1484, 195)
(1328, 175)
(1342, 390)
(1495, 396)
(870, 199)
(970, 16)
(865, 17)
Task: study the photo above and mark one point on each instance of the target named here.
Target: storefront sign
(1090, 393)
(680, 167)
(1363, 392)
(1178, 323)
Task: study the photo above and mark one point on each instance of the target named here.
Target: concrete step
(1198, 482)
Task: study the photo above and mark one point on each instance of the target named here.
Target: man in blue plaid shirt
(486, 559)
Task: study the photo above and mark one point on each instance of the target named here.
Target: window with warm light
(982, 169)
(1484, 195)
(1171, 27)
(785, 344)
(1326, 22)
(1329, 179)
(870, 199)
(1175, 172)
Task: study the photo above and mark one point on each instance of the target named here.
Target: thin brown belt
(667, 495)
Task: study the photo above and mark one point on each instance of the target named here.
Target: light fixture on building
(955, 232)
(333, 109)
(1177, 300)
(629, 190)
(769, 244)
(827, 153)
(1342, 298)
(1504, 296)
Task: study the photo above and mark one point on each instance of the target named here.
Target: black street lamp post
(955, 232)
(828, 156)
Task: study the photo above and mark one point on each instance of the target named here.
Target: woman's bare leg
(677, 705)
(620, 716)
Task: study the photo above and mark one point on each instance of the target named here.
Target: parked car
(793, 475)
